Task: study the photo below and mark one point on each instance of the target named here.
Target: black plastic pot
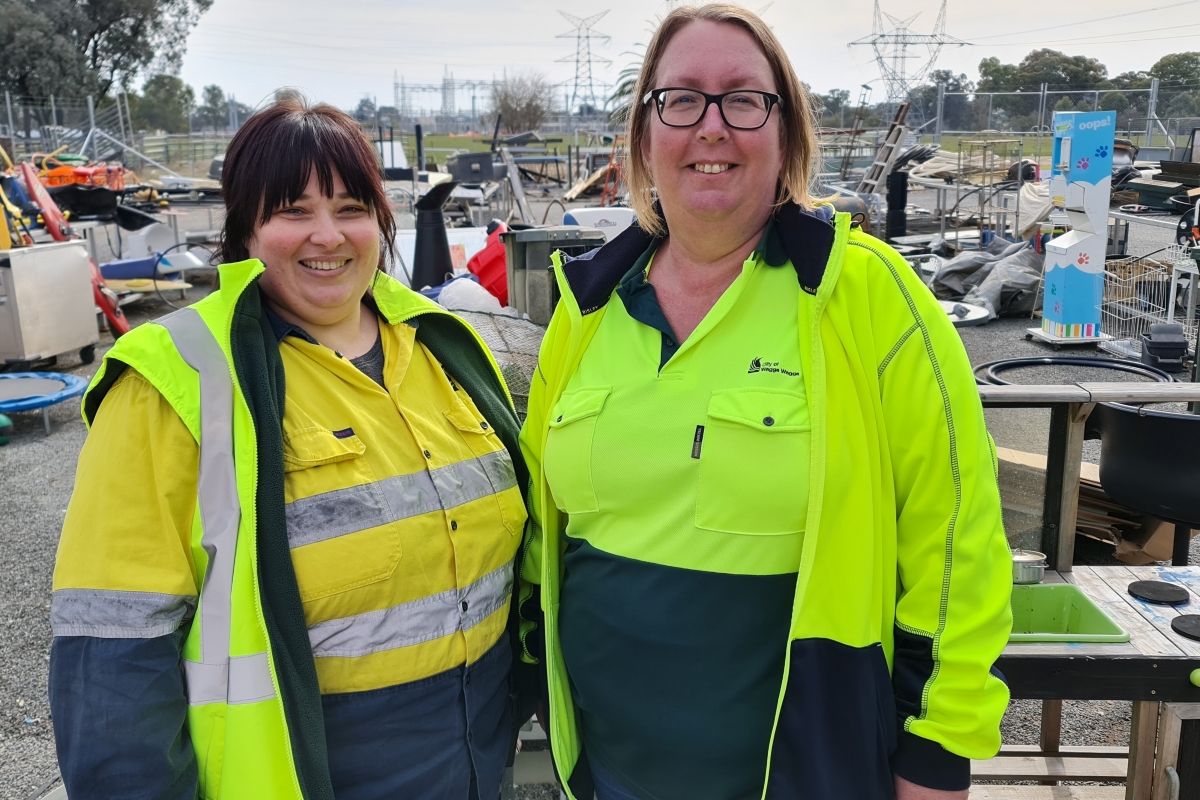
(1148, 462)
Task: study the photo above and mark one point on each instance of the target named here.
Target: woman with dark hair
(287, 565)
(800, 590)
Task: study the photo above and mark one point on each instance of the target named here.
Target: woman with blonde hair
(766, 523)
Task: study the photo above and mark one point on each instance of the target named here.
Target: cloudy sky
(342, 52)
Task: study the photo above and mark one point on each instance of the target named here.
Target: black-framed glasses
(744, 109)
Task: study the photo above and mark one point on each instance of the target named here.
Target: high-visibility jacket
(901, 605)
(251, 684)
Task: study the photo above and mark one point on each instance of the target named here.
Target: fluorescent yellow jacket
(901, 604)
(253, 715)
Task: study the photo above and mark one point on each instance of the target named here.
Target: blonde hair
(798, 121)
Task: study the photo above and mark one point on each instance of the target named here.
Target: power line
(1076, 23)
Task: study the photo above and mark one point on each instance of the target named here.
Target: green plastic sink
(1060, 612)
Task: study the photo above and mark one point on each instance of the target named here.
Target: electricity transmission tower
(583, 90)
(896, 48)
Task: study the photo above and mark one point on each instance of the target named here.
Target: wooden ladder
(885, 157)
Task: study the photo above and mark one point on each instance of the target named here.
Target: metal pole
(1095, 101)
(12, 130)
(989, 116)
(54, 119)
(1151, 110)
(941, 105)
(120, 116)
(91, 105)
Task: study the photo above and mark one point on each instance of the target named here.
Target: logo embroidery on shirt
(344, 433)
(758, 365)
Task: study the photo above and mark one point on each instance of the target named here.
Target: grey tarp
(1003, 278)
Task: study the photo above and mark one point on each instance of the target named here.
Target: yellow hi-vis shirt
(700, 463)
(401, 545)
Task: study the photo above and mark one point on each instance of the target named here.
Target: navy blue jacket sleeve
(120, 718)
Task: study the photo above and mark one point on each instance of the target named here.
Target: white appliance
(46, 304)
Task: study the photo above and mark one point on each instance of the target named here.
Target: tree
(522, 101)
(621, 99)
(213, 110)
(91, 47)
(38, 57)
(956, 104)
(165, 103)
(1179, 69)
(832, 106)
(1057, 70)
(365, 112)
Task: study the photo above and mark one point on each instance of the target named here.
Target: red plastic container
(488, 264)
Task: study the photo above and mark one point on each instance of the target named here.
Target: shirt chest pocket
(491, 472)
(754, 463)
(341, 528)
(568, 454)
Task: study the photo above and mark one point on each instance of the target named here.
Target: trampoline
(30, 391)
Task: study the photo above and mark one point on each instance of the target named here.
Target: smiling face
(711, 173)
(320, 253)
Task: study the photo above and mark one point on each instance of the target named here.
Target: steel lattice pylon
(583, 90)
(892, 50)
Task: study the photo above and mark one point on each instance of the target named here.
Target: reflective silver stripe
(241, 679)
(220, 513)
(415, 622)
(115, 614)
(331, 514)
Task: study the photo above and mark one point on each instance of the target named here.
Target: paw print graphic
(1082, 163)
(1102, 151)
(1082, 259)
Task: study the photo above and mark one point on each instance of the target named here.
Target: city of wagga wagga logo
(758, 365)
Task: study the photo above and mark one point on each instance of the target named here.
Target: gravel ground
(38, 475)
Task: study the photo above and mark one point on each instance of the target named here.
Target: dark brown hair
(798, 129)
(271, 157)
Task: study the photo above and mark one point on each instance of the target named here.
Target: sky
(342, 52)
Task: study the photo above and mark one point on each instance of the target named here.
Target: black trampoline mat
(23, 388)
(1160, 592)
(1187, 625)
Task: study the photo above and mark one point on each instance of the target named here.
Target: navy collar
(803, 237)
(283, 329)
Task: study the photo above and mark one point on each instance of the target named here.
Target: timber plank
(1060, 768)
(1047, 793)
(1160, 616)
(1148, 639)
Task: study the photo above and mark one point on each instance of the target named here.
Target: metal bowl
(1028, 566)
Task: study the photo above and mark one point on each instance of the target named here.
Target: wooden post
(1142, 736)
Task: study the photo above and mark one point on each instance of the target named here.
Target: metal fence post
(91, 105)
(12, 131)
(988, 126)
(1151, 111)
(941, 105)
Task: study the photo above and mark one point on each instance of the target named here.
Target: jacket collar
(805, 238)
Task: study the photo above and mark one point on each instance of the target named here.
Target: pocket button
(768, 421)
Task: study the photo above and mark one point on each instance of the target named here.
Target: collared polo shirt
(683, 467)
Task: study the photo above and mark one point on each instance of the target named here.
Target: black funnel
(431, 255)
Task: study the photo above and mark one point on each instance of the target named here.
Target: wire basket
(1137, 294)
